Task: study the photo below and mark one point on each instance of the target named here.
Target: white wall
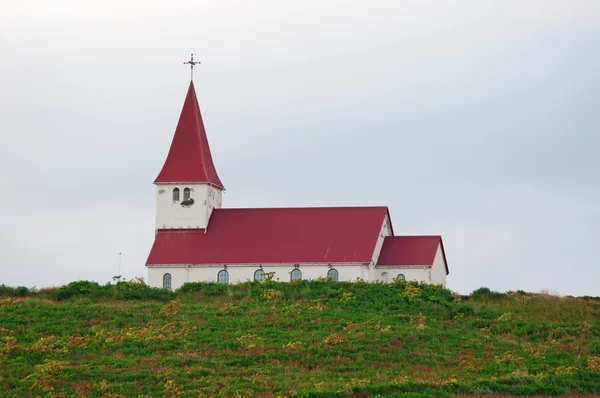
(243, 273)
(170, 214)
(418, 274)
(178, 276)
(438, 270)
(386, 230)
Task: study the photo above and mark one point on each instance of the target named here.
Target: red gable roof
(274, 235)
(189, 158)
(410, 250)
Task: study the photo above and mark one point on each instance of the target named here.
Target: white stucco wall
(243, 273)
(386, 230)
(347, 272)
(438, 270)
(387, 274)
(170, 214)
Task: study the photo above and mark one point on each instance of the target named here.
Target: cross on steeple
(191, 63)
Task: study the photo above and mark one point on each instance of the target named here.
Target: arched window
(401, 276)
(167, 281)
(296, 274)
(223, 277)
(176, 195)
(186, 194)
(259, 275)
(333, 274)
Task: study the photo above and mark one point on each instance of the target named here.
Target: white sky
(477, 120)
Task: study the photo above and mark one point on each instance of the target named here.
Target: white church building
(198, 240)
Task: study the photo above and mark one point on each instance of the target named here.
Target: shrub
(411, 293)
(463, 309)
(173, 307)
(189, 287)
(20, 291)
(484, 293)
(272, 294)
(333, 339)
(209, 289)
(136, 289)
(80, 288)
(215, 289)
(250, 340)
(47, 292)
(227, 309)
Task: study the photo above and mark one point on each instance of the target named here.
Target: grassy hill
(318, 339)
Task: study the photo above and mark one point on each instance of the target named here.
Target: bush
(80, 288)
(20, 291)
(484, 293)
(209, 289)
(189, 287)
(461, 308)
(136, 289)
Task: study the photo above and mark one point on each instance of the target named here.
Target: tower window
(296, 274)
(401, 277)
(223, 277)
(186, 194)
(259, 275)
(176, 195)
(167, 281)
(333, 274)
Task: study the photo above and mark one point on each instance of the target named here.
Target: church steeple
(188, 187)
(189, 159)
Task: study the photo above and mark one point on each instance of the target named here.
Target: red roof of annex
(189, 158)
(411, 251)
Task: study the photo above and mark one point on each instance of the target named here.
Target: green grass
(307, 339)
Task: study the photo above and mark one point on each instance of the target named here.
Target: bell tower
(188, 187)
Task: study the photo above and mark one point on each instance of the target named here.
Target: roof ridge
(303, 207)
(415, 236)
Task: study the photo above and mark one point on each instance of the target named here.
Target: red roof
(274, 235)
(410, 250)
(189, 158)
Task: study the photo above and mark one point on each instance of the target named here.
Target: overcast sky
(477, 120)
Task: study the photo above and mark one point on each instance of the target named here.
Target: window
(259, 275)
(167, 281)
(186, 194)
(223, 277)
(333, 274)
(296, 274)
(401, 276)
(176, 195)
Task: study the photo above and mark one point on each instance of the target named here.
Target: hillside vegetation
(305, 338)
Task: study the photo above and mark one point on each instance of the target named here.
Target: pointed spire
(189, 159)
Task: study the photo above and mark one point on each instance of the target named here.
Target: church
(196, 239)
